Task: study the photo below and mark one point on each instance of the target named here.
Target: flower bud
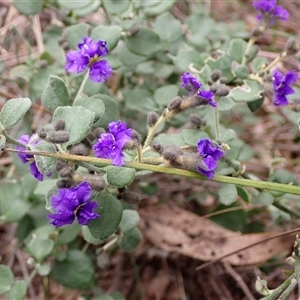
(213, 88)
(197, 121)
(215, 75)
(42, 134)
(80, 149)
(98, 131)
(60, 124)
(134, 30)
(122, 190)
(171, 155)
(223, 80)
(96, 182)
(157, 147)
(152, 118)
(60, 164)
(66, 171)
(175, 104)
(291, 46)
(63, 183)
(222, 90)
(58, 137)
(131, 197)
(261, 286)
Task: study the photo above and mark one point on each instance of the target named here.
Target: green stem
(286, 209)
(264, 185)
(278, 291)
(286, 294)
(31, 276)
(12, 140)
(251, 42)
(297, 262)
(137, 277)
(274, 62)
(81, 86)
(152, 130)
(217, 125)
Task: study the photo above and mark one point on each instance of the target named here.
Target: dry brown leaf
(176, 230)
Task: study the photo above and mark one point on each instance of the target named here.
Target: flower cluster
(71, 203)
(110, 144)
(281, 84)
(210, 154)
(270, 11)
(25, 139)
(191, 84)
(89, 55)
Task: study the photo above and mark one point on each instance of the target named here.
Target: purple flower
(110, 144)
(269, 11)
(210, 154)
(71, 203)
(207, 96)
(190, 83)
(282, 87)
(25, 139)
(89, 55)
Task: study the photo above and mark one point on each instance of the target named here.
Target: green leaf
(74, 4)
(258, 63)
(68, 234)
(28, 7)
(243, 193)
(93, 104)
(145, 42)
(119, 176)
(192, 136)
(165, 94)
(18, 290)
(110, 210)
(227, 135)
(140, 100)
(7, 278)
(225, 103)
(158, 7)
(110, 34)
(88, 9)
(44, 269)
(2, 141)
(111, 110)
(40, 247)
(88, 237)
(130, 59)
(116, 6)
(222, 63)
(76, 33)
(228, 194)
(264, 198)
(130, 239)
(237, 48)
(13, 206)
(168, 27)
(79, 121)
(44, 164)
(129, 220)
(76, 271)
(250, 91)
(242, 71)
(13, 111)
(55, 93)
(187, 57)
(254, 106)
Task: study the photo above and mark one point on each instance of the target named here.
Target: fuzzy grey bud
(175, 104)
(131, 197)
(157, 147)
(222, 90)
(42, 134)
(96, 182)
(223, 80)
(196, 120)
(215, 75)
(58, 137)
(98, 131)
(80, 149)
(60, 164)
(213, 88)
(60, 124)
(66, 172)
(171, 154)
(152, 118)
(292, 47)
(63, 183)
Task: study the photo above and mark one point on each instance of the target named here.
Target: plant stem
(137, 277)
(81, 86)
(286, 209)
(13, 141)
(152, 130)
(285, 295)
(31, 276)
(278, 291)
(264, 185)
(274, 62)
(251, 42)
(217, 125)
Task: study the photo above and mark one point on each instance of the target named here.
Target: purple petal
(83, 192)
(100, 71)
(61, 219)
(119, 130)
(65, 201)
(208, 96)
(85, 213)
(35, 172)
(190, 83)
(76, 62)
